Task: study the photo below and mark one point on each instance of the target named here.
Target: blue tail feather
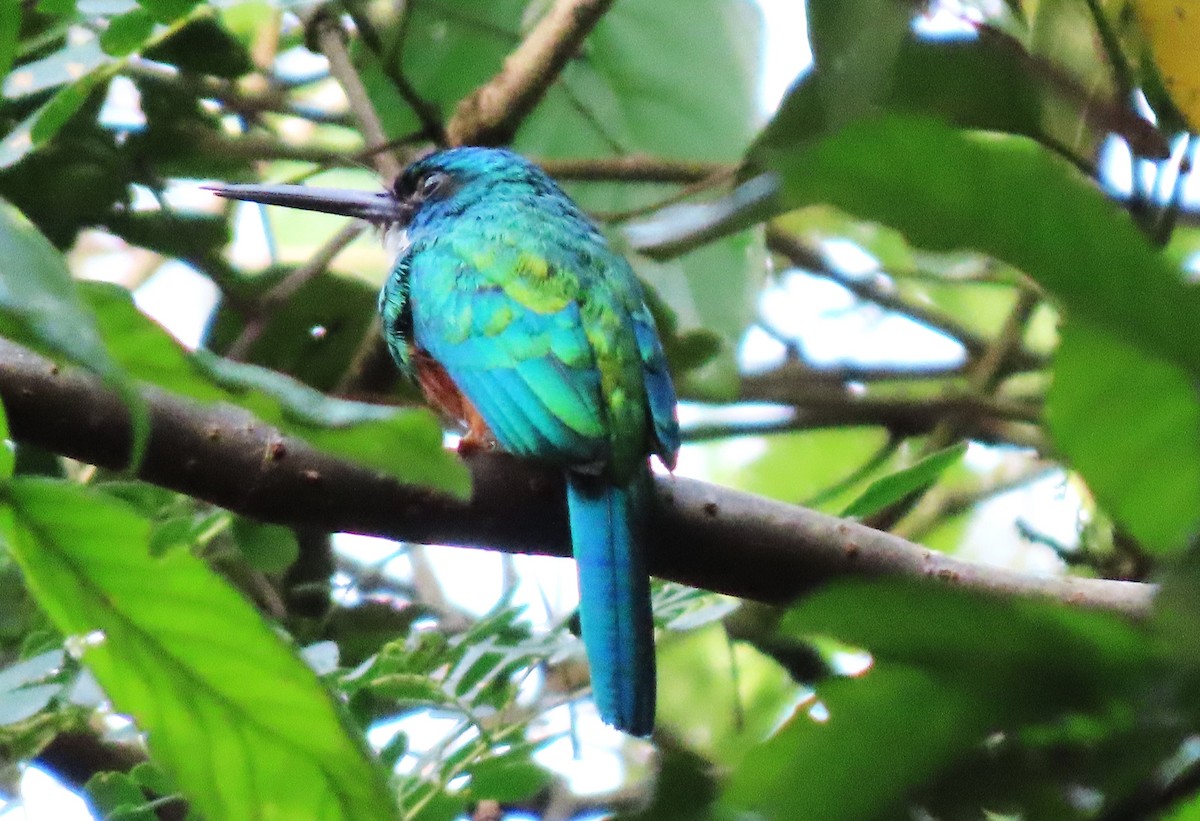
(614, 597)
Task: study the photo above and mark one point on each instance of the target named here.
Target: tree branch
(702, 535)
(491, 114)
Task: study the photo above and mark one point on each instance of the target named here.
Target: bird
(527, 331)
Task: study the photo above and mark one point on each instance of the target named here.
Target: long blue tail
(614, 597)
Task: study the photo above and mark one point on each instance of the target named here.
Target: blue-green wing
(522, 356)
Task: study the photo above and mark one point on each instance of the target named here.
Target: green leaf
(240, 722)
(1079, 657)
(184, 234)
(117, 796)
(269, 548)
(684, 787)
(127, 32)
(202, 46)
(1139, 455)
(10, 29)
(38, 295)
(508, 777)
(407, 444)
(796, 467)
(950, 668)
(895, 486)
(919, 723)
(166, 11)
(855, 47)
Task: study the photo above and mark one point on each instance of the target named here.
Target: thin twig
(330, 40)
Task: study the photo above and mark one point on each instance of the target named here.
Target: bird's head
(444, 183)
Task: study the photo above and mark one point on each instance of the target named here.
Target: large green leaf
(950, 669)
(1130, 423)
(981, 638)
(406, 444)
(230, 709)
(886, 733)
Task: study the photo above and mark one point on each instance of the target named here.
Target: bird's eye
(433, 184)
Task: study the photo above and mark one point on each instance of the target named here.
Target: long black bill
(379, 208)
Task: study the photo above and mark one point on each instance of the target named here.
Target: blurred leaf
(1141, 456)
(895, 486)
(8, 456)
(924, 721)
(724, 696)
(1186, 810)
(610, 100)
(1172, 28)
(1080, 656)
(269, 548)
(118, 797)
(126, 32)
(508, 777)
(229, 709)
(202, 46)
(855, 47)
(165, 11)
(950, 669)
(816, 225)
(187, 235)
(1073, 58)
(978, 83)
(150, 777)
(74, 179)
(10, 29)
(407, 444)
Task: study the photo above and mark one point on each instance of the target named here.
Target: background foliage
(945, 289)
